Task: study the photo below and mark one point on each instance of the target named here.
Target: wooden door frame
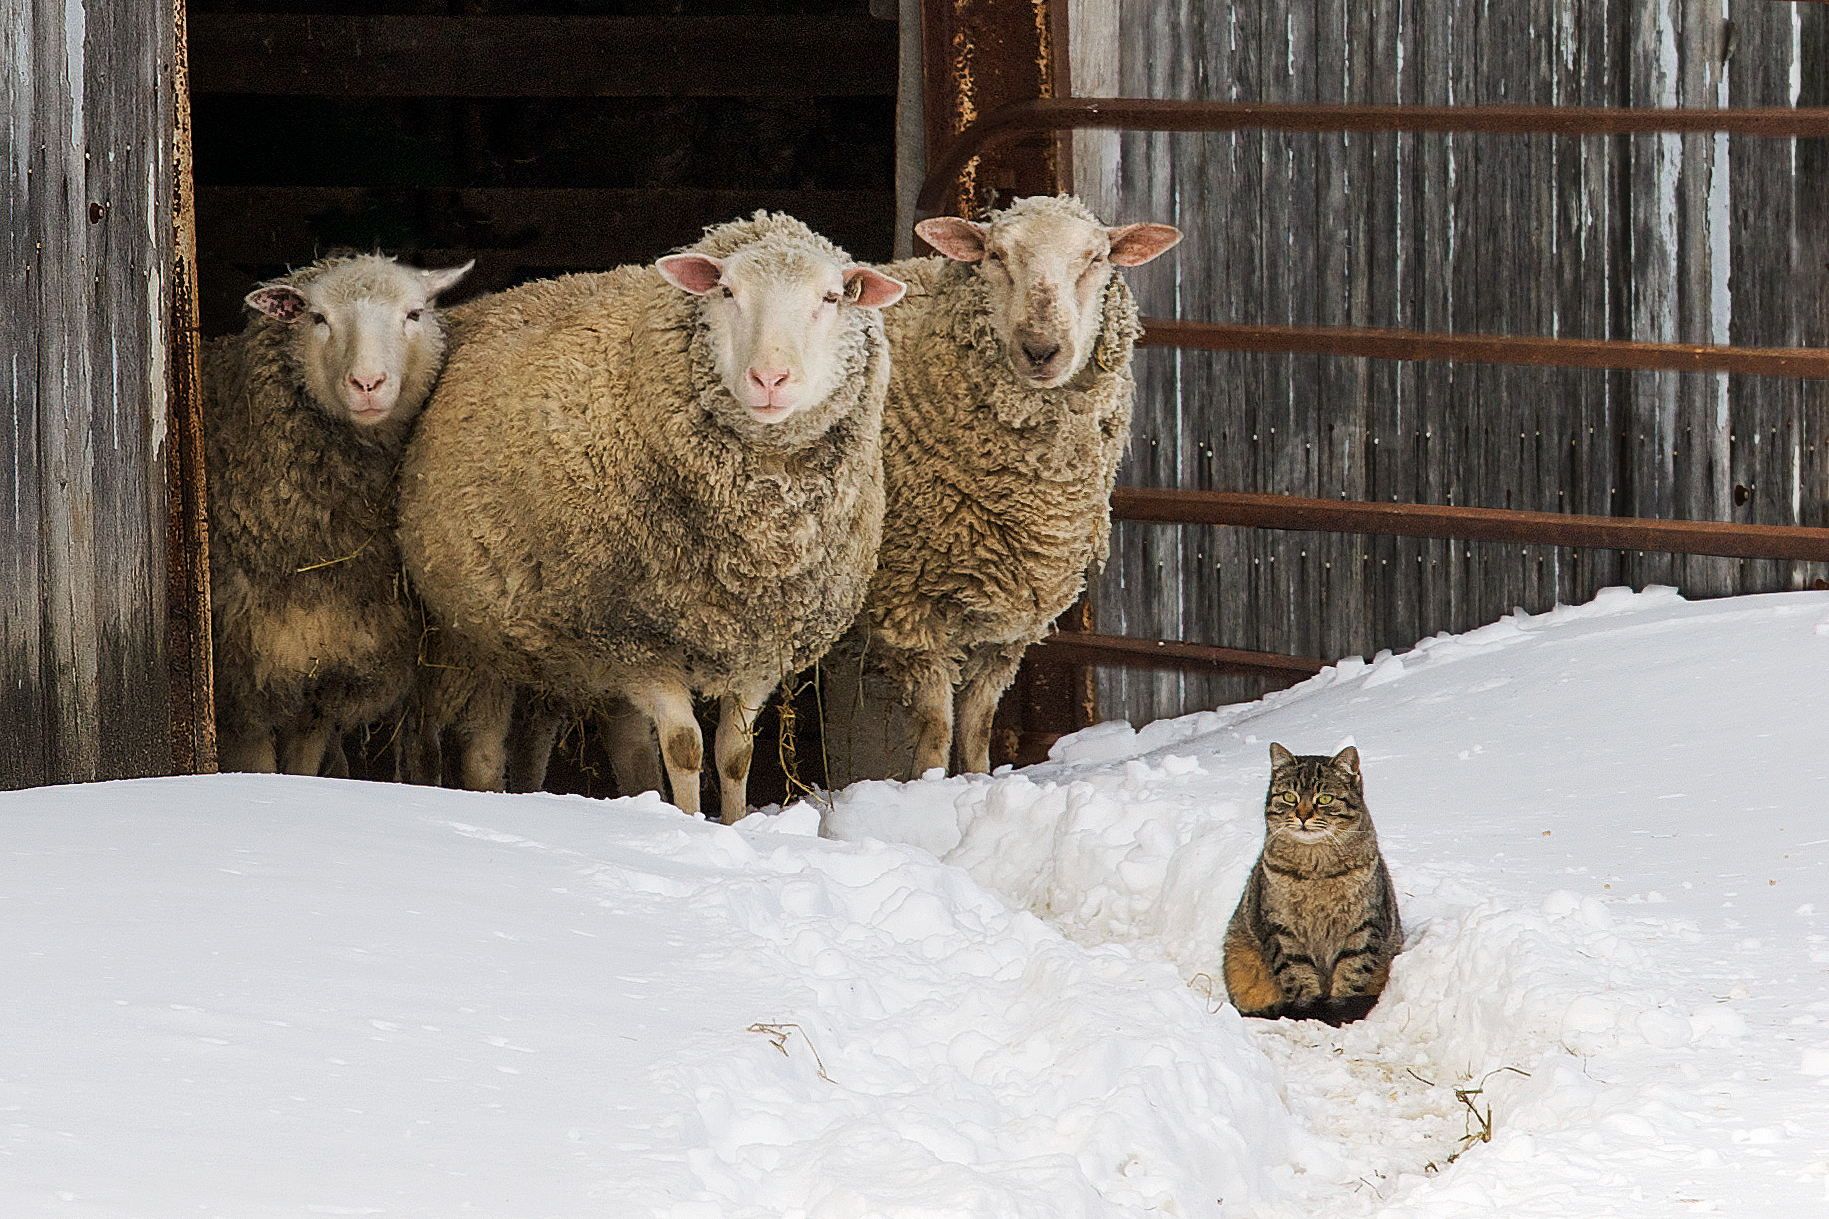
(188, 653)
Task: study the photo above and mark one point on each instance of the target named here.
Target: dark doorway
(536, 136)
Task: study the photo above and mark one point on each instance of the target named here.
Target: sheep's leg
(682, 746)
(250, 752)
(930, 693)
(422, 748)
(302, 753)
(629, 739)
(482, 731)
(336, 758)
(536, 731)
(737, 714)
(988, 673)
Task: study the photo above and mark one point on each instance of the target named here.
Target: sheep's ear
(1132, 245)
(694, 273)
(871, 289)
(281, 302)
(442, 281)
(1348, 760)
(1279, 756)
(960, 240)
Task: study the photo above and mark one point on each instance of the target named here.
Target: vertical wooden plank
(66, 387)
(1810, 268)
(1393, 604)
(1336, 418)
(186, 522)
(24, 754)
(88, 231)
(1152, 571)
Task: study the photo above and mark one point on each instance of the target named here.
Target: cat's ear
(1279, 756)
(1348, 760)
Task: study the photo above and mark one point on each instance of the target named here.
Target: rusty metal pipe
(1087, 648)
(1720, 538)
(1151, 114)
(1802, 362)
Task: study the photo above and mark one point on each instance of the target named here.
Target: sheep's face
(776, 319)
(1046, 272)
(363, 335)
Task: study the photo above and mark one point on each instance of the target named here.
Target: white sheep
(1009, 409)
(306, 413)
(653, 483)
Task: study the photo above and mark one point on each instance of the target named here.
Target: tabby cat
(1314, 933)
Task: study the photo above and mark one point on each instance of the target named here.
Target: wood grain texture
(87, 121)
(1691, 238)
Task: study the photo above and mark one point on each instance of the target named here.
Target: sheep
(306, 414)
(1008, 412)
(655, 482)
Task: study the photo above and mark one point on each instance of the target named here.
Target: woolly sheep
(1008, 411)
(653, 483)
(306, 413)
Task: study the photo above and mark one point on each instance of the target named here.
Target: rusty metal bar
(1087, 648)
(1486, 348)
(1725, 539)
(1035, 116)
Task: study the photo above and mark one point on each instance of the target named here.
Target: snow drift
(986, 997)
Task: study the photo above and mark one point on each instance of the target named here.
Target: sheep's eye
(1289, 797)
(1324, 799)
(412, 315)
(726, 292)
(831, 298)
(319, 319)
(995, 255)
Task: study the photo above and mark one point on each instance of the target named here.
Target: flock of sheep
(613, 494)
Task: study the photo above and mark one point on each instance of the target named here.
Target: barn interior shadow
(538, 137)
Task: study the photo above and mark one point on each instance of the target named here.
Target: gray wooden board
(86, 125)
(1660, 238)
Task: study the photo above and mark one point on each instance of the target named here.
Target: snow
(990, 996)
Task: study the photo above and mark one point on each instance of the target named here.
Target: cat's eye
(1289, 797)
(1324, 799)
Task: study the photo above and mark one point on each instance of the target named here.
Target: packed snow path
(240, 996)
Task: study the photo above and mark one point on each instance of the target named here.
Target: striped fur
(1317, 926)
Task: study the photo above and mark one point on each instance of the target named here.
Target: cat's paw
(1347, 1010)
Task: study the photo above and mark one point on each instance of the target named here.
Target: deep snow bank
(1594, 817)
(248, 996)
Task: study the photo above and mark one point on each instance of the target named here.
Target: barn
(1470, 317)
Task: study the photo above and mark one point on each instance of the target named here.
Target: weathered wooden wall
(85, 218)
(1676, 238)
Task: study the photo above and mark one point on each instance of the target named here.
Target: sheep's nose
(368, 385)
(768, 379)
(1040, 351)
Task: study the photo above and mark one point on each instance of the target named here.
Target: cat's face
(1314, 798)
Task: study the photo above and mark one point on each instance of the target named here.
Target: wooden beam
(529, 56)
(560, 227)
